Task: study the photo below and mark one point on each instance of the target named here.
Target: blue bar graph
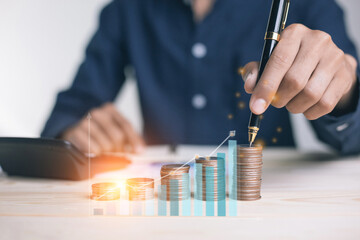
(210, 197)
(221, 187)
(186, 202)
(162, 204)
(232, 173)
(198, 203)
(174, 197)
(210, 187)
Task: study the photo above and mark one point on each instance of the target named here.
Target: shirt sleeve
(99, 77)
(340, 132)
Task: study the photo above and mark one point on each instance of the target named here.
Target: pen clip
(285, 14)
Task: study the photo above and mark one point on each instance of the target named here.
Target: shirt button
(342, 127)
(198, 50)
(199, 101)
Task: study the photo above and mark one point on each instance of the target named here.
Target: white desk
(303, 197)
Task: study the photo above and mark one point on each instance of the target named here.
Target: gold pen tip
(252, 134)
(252, 137)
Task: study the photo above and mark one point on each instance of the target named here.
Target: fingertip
(136, 142)
(94, 147)
(258, 106)
(248, 88)
(139, 149)
(96, 151)
(140, 145)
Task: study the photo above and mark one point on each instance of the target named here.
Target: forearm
(70, 107)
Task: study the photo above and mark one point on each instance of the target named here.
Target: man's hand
(306, 72)
(110, 131)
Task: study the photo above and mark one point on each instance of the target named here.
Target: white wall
(41, 45)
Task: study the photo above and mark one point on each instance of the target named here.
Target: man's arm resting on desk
(97, 82)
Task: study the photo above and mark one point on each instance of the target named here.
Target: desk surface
(303, 197)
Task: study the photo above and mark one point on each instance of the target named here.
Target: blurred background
(42, 43)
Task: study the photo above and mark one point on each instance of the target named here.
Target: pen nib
(252, 134)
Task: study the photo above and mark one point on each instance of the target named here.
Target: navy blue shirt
(189, 86)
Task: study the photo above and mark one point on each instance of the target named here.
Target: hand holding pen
(306, 73)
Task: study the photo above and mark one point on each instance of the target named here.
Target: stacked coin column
(249, 170)
(141, 192)
(105, 196)
(211, 180)
(209, 183)
(175, 178)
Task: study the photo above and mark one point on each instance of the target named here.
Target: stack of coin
(176, 172)
(217, 173)
(249, 169)
(105, 191)
(140, 189)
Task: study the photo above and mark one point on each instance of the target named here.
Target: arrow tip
(88, 116)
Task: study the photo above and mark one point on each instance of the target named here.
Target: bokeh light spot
(241, 71)
(260, 141)
(241, 105)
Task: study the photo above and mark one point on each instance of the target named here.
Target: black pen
(276, 23)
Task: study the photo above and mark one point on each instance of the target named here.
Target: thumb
(249, 74)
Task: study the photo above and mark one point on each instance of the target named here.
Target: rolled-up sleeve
(99, 77)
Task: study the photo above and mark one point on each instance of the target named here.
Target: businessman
(187, 57)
